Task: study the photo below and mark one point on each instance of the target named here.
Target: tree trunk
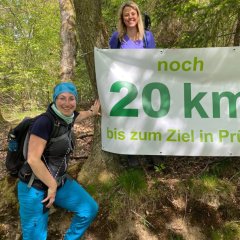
(91, 32)
(2, 120)
(100, 166)
(69, 40)
(237, 32)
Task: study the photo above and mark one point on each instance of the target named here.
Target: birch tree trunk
(100, 165)
(69, 40)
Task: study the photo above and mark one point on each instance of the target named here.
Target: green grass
(123, 195)
(226, 167)
(101, 189)
(132, 182)
(175, 237)
(210, 185)
(229, 231)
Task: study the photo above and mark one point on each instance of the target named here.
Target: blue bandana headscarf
(65, 87)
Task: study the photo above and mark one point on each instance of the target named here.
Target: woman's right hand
(95, 108)
(49, 200)
(36, 148)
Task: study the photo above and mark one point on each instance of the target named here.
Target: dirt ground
(171, 216)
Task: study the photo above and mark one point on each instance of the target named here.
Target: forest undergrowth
(180, 198)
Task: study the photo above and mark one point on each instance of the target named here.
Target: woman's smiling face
(130, 17)
(66, 103)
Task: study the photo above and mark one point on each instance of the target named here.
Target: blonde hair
(122, 29)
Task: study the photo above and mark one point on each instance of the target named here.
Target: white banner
(170, 101)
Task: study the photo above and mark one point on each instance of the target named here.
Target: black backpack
(147, 21)
(147, 25)
(16, 138)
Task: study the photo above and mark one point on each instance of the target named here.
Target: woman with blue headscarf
(43, 178)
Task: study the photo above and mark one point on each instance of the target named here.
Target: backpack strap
(31, 180)
(145, 40)
(53, 133)
(55, 122)
(118, 43)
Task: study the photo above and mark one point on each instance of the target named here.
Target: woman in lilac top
(131, 33)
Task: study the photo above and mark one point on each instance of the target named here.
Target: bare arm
(94, 111)
(35, 150)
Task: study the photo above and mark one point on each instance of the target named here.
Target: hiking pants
(71, 196)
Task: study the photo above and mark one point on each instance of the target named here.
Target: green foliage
(17, 115)
(109, 12)
(121, 195)
(101, 189)
(132, 182)
(219, 168)
(8, 192)
(230, 231)
(29, 50)
(210, 185)
(185, 23)
(92, 189)
(194, 23)
(30, 43)
(175, 237)
(159, 168)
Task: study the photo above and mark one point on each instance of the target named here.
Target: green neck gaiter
(67, 119)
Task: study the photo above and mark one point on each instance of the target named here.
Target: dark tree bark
(91, 33)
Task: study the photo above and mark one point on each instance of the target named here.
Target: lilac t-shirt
(127, 43)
